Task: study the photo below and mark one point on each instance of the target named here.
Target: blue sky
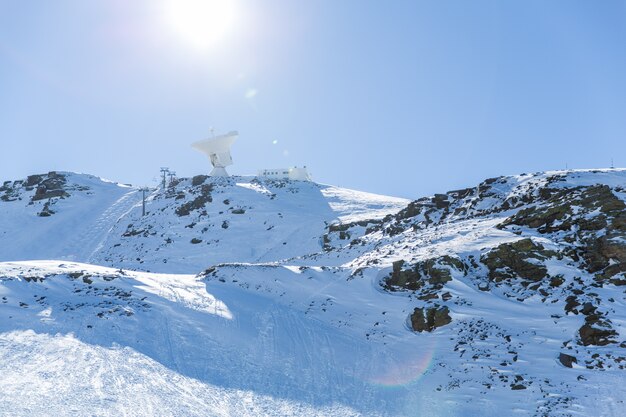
(404, 98)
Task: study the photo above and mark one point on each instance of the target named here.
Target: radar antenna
(217, 148)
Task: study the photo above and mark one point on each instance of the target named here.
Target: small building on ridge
(294, 173)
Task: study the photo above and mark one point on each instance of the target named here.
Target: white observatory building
(294, 173)
(217, 149)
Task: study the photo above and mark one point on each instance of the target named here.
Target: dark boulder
(567, 360)
(601, 335)
(428, 319)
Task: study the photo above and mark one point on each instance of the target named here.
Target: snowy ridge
(201, 221)
(190, 225)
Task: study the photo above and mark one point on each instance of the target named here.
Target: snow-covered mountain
(303, 299)
(192, 224)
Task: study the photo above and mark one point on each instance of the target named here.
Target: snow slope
(81, 220)
(518, 283)
(102, 343)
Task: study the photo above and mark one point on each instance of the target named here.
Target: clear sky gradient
(404, 98)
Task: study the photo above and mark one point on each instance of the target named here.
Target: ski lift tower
(217, 148)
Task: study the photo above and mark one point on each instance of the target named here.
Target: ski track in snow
(105, 223)
(91, 241)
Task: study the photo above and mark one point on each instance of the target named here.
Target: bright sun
(201, 23)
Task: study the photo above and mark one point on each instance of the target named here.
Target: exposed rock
(441, 201)
(594, 220)
(605, 256)
(198, 202)
(434, 271)
(409, 279)
(131, 231)
(10, 192)
(588, 309)
(46, 211)
(557, 214)
(430, 318)
(567, 360)
(618, 282)
(556, 281)
(593, 336)
(198, 179)
(596, 331)
(510, 260)
(571, 302)
(53, 186)
(33, 180)
(413, 209)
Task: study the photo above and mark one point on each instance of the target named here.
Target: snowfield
(237, 297)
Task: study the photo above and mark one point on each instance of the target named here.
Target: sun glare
(201, 23)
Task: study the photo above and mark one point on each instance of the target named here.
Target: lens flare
(399, 368)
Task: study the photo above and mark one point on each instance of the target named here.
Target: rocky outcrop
(562, 209)
(511, 261)
(590, 219)
(605, 255)
(52, 186)
(203, 197)
(428, 319)
(9, 191)
(432, 273)
(198, 179)
(597, 330)
(590, 335)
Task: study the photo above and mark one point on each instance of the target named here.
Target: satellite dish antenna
(217, 148)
